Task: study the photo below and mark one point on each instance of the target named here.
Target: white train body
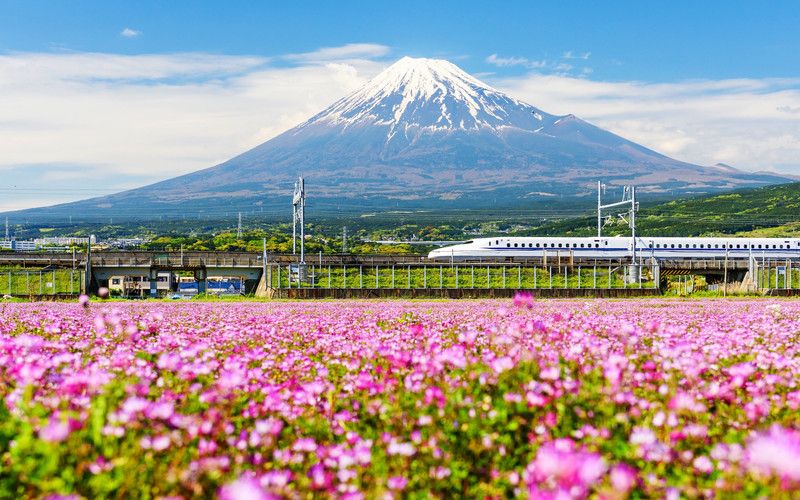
(621, 247)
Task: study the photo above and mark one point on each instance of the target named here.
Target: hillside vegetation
(772, 211)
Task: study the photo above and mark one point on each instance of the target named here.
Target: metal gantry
(628, 198)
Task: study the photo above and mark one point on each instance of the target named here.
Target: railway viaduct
(251, 266)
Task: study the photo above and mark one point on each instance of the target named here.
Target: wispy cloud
(576, 55)
(505, 62)
(130, 33)
(344, 52)
(557, 65)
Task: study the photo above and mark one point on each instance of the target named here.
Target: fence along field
(515, 276)
(41, 282)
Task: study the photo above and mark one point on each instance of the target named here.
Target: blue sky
(101, 96)
(661, 41)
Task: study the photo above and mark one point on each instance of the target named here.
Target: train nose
(433, 254)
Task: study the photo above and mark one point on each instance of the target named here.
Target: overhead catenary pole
(298, 216)
(599, 209)
(628, 198)
(633, 222)
(88, 272)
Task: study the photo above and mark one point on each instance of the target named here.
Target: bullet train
(621, 247)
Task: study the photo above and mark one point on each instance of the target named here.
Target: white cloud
(748, 123)
(344, 52)
(130, 33)
(139, 119)
(505, 62)
(557, 66)
(576, 55)
(129, 120)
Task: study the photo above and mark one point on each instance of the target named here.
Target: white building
(19, 245)
(64, 240)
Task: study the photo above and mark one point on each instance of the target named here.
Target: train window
(694, 245)
(581, 245)
(515, 245)
(737, 245)
(559, 245)
(680, 246)
(508, 245)
(650, 245)
(780, 246)
(537, 245)
(673, 245)
(759, 246)
(716, 245)
(597, 245)
(774, 246)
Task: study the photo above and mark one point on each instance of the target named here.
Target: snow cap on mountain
(430, 94)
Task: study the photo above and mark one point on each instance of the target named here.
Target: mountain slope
(424, 133)
(769, 210)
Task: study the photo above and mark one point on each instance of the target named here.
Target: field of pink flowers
(540, 399)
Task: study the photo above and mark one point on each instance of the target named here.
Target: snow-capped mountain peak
(415, 95)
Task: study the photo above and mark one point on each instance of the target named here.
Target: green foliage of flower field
(538, 399)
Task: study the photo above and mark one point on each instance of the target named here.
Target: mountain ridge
(424, 131)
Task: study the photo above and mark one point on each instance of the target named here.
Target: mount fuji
(424, 133)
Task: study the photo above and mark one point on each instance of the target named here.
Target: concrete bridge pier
(153, 282)
(201, 277)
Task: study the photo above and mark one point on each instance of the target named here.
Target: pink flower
(244, 488)
(404, 449)
(320, 478)
(55, 431)
(83, 300)
(560, 463)
(502, 364)
(397, 483)
(776, 451)
(523, 299)
(623, 477)
(703, 464)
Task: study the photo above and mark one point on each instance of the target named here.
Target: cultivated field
(545, 399)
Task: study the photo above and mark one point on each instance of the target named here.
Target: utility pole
(633, 220)
(298, 216)
(88, 272)
(600, 187)
(239, 227)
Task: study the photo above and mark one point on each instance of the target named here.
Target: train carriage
(621, 247)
